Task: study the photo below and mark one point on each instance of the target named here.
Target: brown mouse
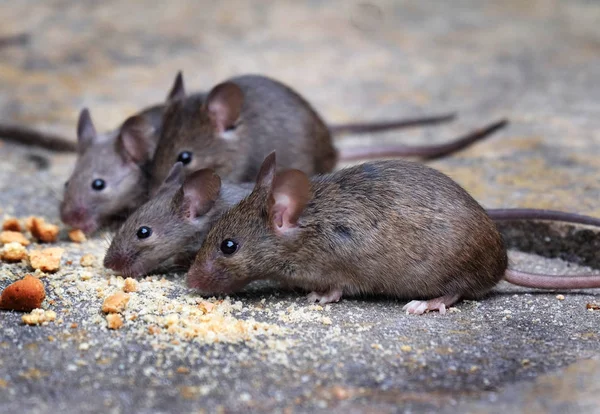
(247, 117)
(173, 223)
(394, 228)
(110, 178)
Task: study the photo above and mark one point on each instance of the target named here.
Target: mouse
(164, 227)
(394, 228)
(173, 223)
(246, 117)
(110, 176)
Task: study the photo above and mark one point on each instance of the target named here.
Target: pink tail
(540, 281)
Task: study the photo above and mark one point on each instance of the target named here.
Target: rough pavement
(518, 350)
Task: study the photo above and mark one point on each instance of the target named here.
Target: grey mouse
(173, 223)
(243, 119)
(393, 228)
(110, 177)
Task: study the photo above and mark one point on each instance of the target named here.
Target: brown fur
(389, 227)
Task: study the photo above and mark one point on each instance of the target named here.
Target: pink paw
(333, 295)
(419, 307)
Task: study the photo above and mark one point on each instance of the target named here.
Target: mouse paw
(333, 295)
(419, 307)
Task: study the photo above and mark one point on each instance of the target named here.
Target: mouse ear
(224, 105)
(266, 172)
(178, 89)
(176, 175)
(86, 133)
(135, 141)
(200, 191)
(289, 196)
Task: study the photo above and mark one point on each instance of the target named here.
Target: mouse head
(199, 134)
(174, 220)
(253, 239)
(108, 178)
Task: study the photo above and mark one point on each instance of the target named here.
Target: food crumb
(592, 306)
(13, 252)
(11, 224)
(131, 285)
(13, 237)
(44, 232)
(85, 276)
(39, 317)
(115, 303)
(77, 236)
(406, 348)
(87, 260)
(326, 320)
(114, 321)
(47, 260)
(206, 307)
(23, 295)
(183, 370)
(84, 346)
(560, 297)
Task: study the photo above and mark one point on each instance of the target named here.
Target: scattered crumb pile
(82, 293)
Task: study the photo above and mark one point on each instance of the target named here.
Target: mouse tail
(507, 214)
(540, 281)
(367, 127)
(27, 136)
(422, 151)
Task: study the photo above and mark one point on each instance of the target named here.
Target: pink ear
(200, 191)
(224, 104)
(135, 138)
(265, 176)
(290, 194)
(178, 89)
(86, 133)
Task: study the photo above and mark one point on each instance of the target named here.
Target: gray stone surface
(518, 350)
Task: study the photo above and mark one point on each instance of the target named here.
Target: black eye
(98, 184)
(185, 157)
(228, 247)
(144, 232)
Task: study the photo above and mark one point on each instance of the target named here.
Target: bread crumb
(77, 236)
(406, 348)
(115, 303)
(23, 295)
(560, 297)
(206, 307)
(44, 232)
(47, 260)
(85, 276)
(11, 224)
(131, 285)
(39, 317)
(325, 320)
(114, 321)
(13, 252)
(183, 370)
(340, 393)
(87, 260)
(13, 237)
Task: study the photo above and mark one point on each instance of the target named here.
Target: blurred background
(536, 62)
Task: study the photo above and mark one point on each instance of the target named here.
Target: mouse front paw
(333, 295)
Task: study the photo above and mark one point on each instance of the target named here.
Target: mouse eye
(98, 184)
(144, 232)
(185, 157)
(229, 247)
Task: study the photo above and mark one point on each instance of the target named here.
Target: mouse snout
(120, 261)
(209, 278)
(78, 217)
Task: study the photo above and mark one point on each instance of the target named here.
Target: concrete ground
(518, 350)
